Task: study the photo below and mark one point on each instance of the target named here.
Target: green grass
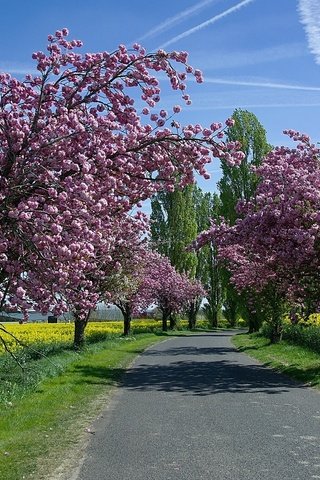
(295, 361)
(42, 419)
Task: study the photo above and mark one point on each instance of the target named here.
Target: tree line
(79, 153)
(178, 217)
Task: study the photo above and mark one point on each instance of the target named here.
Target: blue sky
(261, 55)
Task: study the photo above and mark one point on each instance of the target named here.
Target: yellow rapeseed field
(62, 333)
(32, 333)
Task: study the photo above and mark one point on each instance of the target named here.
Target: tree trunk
(214, 318)
(79, 328)
(254, 323)
(192, 316)
(164, 323)
(127, 324)
(276, 333)
(125, 308)
(231, 310)
(165, 316)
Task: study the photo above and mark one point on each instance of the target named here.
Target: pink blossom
(76, 158)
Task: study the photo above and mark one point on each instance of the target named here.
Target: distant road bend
(193, 408)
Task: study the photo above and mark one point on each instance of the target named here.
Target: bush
(306, 336)
(301, 334)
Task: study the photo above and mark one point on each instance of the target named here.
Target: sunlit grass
(293, 360)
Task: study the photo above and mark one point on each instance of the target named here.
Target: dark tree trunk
(164, 324)
(215, 290)
(254, 323)
(125, 308)
(252, 328)
(214, 319)
(79, 328)
(276, 331)
(127, 324)
(276, 334)
(165, 315)
(192, 315)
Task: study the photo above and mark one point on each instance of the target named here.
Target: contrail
(180, 17)
(207, 22)
(310, 17)
(285, 86)
(256, 105)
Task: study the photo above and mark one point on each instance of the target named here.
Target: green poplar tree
(174, 227)
(212, 270)
(240, 183)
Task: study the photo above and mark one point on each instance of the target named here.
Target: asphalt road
(194, 408)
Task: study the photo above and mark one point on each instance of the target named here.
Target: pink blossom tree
(168, 289)
(146, 279)
(274, 248)
(123, 284)
(75, 156)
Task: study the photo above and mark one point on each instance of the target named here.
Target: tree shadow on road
(207, 378)
(188, 350)
(189, 377)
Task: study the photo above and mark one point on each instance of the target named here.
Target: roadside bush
(306, 336)
(301, 334)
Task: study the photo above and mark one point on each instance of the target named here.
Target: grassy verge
(295, 361)
(43, 419)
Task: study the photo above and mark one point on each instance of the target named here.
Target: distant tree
(168, 289)
(238, 184)
(214, 286)
(272, 251)
(173, 228)
(202, 206)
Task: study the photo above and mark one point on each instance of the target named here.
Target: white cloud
(258, 105)
(205, 24)
(244, 83)
(17, 68)
(309, 11)
(238, 59)
(180, 17)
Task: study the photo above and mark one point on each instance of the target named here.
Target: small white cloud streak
(235, 59)
(309, 11)
(17, 69)
(180, 17)
(205, 24)
(256, 105)
(285, 86)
